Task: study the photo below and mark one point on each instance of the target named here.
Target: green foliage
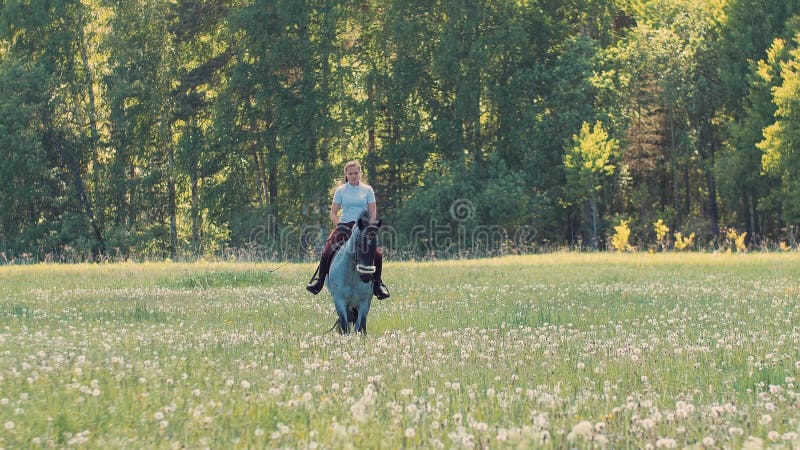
(178, 128)
(781, 139)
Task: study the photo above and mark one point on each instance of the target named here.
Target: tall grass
(553, 351)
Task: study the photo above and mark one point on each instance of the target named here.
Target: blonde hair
(347, 165)
(350, 164)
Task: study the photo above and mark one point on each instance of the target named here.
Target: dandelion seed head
(581, 430)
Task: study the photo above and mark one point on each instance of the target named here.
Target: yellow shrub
(621, 238)
(662, 231)
(682, 243)
(735, 240)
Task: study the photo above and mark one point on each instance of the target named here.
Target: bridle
(364, 270)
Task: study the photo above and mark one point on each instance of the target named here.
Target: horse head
(366, 246)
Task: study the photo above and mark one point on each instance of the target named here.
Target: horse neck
(349, 247)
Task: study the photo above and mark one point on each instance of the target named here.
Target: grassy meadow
(545, 351)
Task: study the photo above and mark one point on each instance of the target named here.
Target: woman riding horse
(351, 198)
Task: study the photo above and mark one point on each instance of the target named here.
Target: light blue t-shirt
(353, 200)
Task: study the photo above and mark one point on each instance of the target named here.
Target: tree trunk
(94, 139)
(197, 223)
(713, 206)
(272, 190)
(171, 204)
(676, 198)
(593, 206)
(261, 182)
(85, 202)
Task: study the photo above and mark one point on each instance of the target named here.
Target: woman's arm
(335, 213)
(372, 208)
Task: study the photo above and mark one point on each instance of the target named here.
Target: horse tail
(335, 324)
(352, 313)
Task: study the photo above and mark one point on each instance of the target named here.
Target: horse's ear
(380, 223)
(361, 223)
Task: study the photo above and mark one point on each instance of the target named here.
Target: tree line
(174, 128)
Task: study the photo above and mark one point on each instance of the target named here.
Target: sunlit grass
(559, 350)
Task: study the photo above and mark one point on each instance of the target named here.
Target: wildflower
(709, 441)
(581, 430)
(753, 443)
(258, 432)
(8, 426)
(158, 415)
(666, 443)
(774, 436)
(410, 433)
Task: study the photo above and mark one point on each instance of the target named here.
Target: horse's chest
(349, 288)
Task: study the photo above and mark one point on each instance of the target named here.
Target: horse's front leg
(361, 321)
(341, 311)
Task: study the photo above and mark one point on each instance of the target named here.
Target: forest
(152, 129)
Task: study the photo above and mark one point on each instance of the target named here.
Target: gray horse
(350, 276)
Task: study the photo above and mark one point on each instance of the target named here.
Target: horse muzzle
(365, 270)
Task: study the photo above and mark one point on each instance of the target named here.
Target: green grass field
(547, 351)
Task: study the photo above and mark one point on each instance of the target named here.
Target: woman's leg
(334, 241)
(378, 288)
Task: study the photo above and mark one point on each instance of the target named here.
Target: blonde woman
(349, 200)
